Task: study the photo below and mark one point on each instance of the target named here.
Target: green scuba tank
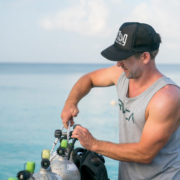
(44, 173)
(60, 163)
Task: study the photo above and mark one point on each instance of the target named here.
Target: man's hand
(84, 137)
(69, 111)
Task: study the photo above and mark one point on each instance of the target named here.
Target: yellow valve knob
(46, 154)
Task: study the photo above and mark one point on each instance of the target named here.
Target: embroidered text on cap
(120, 39)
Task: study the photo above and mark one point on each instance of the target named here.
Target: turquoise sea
(32, 97)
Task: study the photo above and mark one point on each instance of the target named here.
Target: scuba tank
(60, 160)
(45, 172)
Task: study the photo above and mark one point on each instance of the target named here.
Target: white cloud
(97, 46)
(171, 45)
(87, 18)
(19, 3)
(117, 1)
(160, 15)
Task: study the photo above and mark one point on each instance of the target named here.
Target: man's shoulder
(166, 99)
(169, 91)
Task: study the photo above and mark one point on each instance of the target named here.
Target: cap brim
(114, 54)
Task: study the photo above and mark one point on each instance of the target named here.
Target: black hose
(72, 146)
(74, 140)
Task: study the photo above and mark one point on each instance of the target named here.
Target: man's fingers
(66, 122)
(67, 115)
(84, 136)
(71, 121)
(78, 132)
(75, 112)
(65, 125)
(82, 128)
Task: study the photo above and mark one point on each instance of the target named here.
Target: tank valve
(45, 163)
(58, 133)
(23, 175)
(61, 151)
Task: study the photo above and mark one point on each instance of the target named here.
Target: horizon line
(76, 63)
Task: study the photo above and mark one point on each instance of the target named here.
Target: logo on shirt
(121, 106)
(121, 39)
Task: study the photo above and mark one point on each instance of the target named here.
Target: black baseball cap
(132, 38)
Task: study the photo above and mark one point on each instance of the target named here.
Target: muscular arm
(100, 78)
(163, 120)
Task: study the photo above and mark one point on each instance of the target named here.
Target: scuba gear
(90, 164)
(77, 155)
(44, 172)
(66, 163)
(26, 174)
(60, 163)
(45, 163)
(65, 168)
(23, 175)
(45, 154)
(30, 166)
(72, 145)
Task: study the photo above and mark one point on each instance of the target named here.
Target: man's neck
(139, 85)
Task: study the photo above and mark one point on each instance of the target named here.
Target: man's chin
(128, 76)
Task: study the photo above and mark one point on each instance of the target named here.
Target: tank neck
(44, 171)
(63, 158)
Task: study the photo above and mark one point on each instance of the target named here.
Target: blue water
(31, 99)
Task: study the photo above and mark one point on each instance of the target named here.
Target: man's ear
(146, 57)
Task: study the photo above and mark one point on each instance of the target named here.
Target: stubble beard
(132, 75)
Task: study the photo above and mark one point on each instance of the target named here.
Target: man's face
(131, 66)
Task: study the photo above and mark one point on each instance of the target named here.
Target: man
(149, 108)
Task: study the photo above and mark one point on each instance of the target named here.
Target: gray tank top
(166, 165)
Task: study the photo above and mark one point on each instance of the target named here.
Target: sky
(76, 31)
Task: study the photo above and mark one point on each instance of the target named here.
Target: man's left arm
(163, 119)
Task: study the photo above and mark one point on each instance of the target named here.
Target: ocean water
(32, 97)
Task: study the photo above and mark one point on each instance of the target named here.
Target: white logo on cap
(120, 39)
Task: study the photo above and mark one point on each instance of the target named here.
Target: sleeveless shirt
(166, 165)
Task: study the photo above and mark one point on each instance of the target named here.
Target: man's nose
(119, 63)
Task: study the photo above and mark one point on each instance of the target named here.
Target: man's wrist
(95, 146)
(70, 102)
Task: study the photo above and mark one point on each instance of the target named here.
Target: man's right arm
(99, 78)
